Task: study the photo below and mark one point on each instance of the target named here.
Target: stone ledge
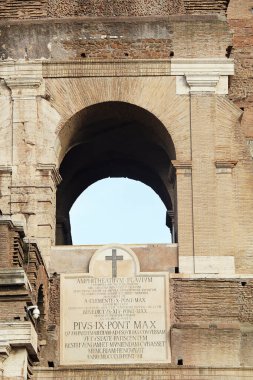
(211, 276)
(13, 277)
(154, 372)
(20, 334)
(208, 75)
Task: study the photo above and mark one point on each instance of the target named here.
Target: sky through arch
(119, 210)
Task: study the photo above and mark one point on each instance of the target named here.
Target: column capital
(24, 79)
(202, 75)
(182, 167)
(50, 170)
(224, 166)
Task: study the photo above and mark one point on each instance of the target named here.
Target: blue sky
(119, 210)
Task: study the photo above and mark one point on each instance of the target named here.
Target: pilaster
(204, 80)
(184, 208)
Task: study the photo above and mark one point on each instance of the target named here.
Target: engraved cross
(114, 258)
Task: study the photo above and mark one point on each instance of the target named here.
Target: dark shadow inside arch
(113, 139)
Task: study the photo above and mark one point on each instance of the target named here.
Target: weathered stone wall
(211, 321)
(211, 316)
(62, 8)
(121, 38)
(153, 372)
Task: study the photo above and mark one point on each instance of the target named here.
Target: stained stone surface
(115, 314)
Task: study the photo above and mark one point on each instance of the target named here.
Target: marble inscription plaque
(114, 314)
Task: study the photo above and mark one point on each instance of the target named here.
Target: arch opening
(113, 139)
(122, 210)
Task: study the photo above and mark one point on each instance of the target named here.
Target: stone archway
(113, 139)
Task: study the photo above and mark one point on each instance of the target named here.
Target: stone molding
(223, 166)
(4, 169)
(208, 75)
(14, 277)
(19, 334)
(182, 167)
(106, 68)
(50, 170)
(158, 372)
(24, 78)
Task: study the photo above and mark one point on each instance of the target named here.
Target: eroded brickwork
(240, 19)
(20, 9)
(60, 8)
(102, 8)
(50, 352)
(16, 254)
(210, 301)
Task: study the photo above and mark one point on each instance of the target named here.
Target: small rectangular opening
(180, 362)
(51, 364)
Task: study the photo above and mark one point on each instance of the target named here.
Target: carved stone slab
(114, 314)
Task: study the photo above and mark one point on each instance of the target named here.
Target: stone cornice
(14, 277)
(20, 334)
(225, 166)
(209, 75)
(25, 69)
(182, 167)
(50, 169)
(23, 82)
(202, 83)
(220, 66)
(24, 78)
(194, 75)
(5, 169)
